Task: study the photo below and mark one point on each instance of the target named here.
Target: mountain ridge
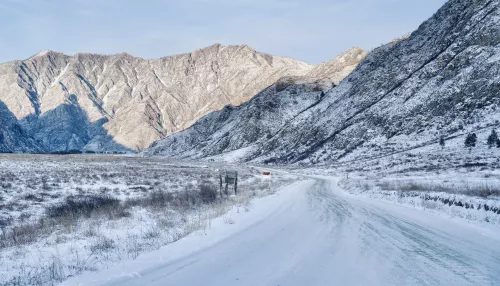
(140, 100)
(440, 80)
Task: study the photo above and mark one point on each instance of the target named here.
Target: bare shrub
(102, 244)
(151, 233)
(165, 223)
(20, 235)
(90, 232)
(228, 219)
(87, 206)
(154, 200)
(481, 190)
(208, 193)
(6, 185)
(4, 222)
(33, 197)
(412, 186)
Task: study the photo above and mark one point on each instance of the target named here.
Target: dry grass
(65, 198)
(481, 190)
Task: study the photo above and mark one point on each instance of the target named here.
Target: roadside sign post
(229, 178)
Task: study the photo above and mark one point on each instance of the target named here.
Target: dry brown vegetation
(56, 201)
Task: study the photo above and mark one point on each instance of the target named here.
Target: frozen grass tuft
(87, 206)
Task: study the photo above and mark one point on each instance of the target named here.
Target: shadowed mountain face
(65, 129)
(136, 101)
(13, 138)
(443, 80)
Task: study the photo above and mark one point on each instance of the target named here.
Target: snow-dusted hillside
(131, 100)
(255, 122)
(443, 80)
(248, 125)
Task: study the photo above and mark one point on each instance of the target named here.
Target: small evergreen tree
(492, 139)
(442, 141)
(498, 143)
(471, 140)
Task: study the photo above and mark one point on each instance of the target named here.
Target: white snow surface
(313, 233)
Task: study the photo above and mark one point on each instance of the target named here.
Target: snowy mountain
(105, 103)
(443, 80)
(253, 122)
(262, 117)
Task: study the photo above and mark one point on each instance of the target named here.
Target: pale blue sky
(309, 30)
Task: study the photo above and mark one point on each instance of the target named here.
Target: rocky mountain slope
(338, 68)
(443, 80)
(262, 117)
(120, 102)
(252, 123)
(13, 137)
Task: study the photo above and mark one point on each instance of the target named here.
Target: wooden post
(236, 184)
(220, 177)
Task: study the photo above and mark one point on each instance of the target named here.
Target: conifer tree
(442, 141)
(492, 139)
(471, 140)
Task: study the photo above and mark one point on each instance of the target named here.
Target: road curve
(321, 236)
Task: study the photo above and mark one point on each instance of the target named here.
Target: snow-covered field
(96, 219)
(474, 196)
(61, 216)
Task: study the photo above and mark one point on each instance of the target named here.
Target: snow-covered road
(315, 234)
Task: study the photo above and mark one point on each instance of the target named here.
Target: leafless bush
(22, 234)
(87, 206)
(208, 192)
(481, 190)
(154, 200)
(102, 244)
(90, 232)
(228, 219)
(151, 233)
(33, 197)
(7, 185)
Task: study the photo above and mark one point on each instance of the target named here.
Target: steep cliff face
(136, 101)
(443, 80)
